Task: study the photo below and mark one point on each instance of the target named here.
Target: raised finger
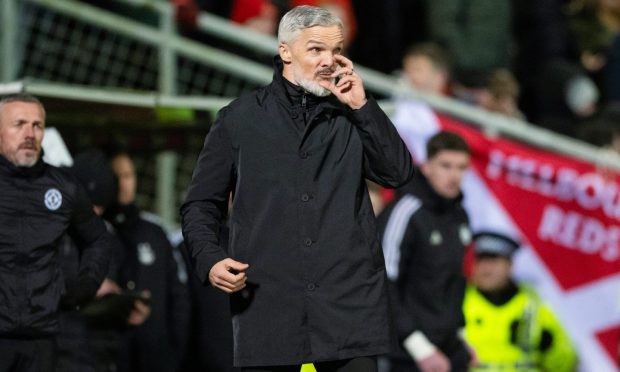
(345, 81)
(328, 85)
(342, 72)
(343, 61)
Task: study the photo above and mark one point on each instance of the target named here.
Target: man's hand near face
(349, 89)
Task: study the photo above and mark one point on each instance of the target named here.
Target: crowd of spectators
(555, 63)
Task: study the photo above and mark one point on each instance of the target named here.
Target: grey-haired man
(39, 204)
(304, 268)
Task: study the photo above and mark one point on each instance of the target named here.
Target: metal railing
(390, 86)
(169, 45)
(111, 96)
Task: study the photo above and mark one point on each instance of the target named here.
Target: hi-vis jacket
(301, 218)
(522, 335)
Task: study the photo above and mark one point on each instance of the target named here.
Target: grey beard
(314, 88)
(27, 163)
(310, 85)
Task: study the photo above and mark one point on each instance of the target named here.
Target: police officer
(507, 324)
(39, 203)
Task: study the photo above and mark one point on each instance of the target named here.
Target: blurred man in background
(502, 94)
(160, 343)
(425, 232)
(426, 68)
(90, 339)
(507, 324)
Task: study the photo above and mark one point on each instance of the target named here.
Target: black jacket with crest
(424, 237)
(38, 206)
(301, 218)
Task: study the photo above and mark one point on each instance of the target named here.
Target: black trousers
(455, 351)
(27, 355)
(361, 364)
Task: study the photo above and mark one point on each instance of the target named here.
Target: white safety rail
(76, 50)
(389, 86)
(180, 66)
(72, 42)
(70, 50)
(113, 96)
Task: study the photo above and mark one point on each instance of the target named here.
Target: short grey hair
(303, 17)
(21, 97)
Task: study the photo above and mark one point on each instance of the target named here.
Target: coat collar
(9, 169)
(420, 187)
(292, 95)
(122, 216)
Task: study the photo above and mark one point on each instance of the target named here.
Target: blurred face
(491, 273)
(506, 105)
(423, 75)
(610, 5)
(309, 58)
(126, 174)
(98, 209)
(445, 172)
(22, 125)
(615, 142)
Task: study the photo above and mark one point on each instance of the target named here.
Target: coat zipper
(303, 109)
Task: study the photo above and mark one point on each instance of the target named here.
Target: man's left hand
(349, 88)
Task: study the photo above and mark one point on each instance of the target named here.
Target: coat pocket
(368, 230)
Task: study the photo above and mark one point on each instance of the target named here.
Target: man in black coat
(304, 267)
(90, 339)
(424, 235)
(148, 264)
(211, 340)
(39, 204)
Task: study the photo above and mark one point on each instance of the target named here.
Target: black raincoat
(38, 205)
(301, 218)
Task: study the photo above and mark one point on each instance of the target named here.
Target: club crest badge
(436, 238)
(146, 255)
(53, 199)
(465, 234)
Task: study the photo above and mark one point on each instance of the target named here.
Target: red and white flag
(567, 213)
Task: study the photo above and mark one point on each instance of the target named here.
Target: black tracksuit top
(424, 237)
(38, 205)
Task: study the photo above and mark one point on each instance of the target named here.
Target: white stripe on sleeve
(395, 231)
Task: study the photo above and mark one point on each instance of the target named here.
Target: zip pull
(303, 102)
